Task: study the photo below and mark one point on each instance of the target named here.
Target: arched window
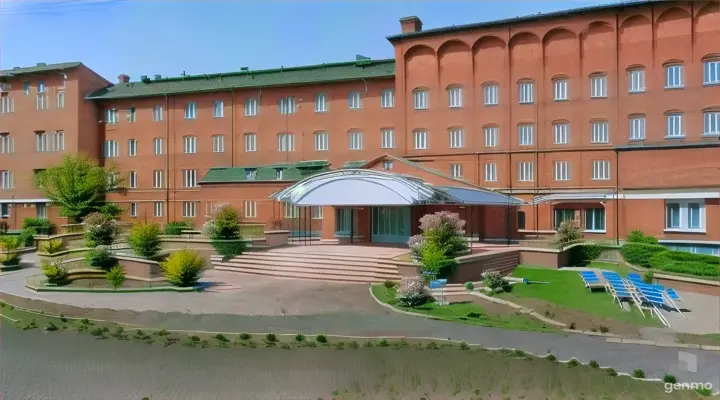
(711, 69)
(560, 88)
(674, 72)
(711, 118)
(354, 100)
(526, 93)
(636, 79)
(491, 94)
(321, 102)
(250, 140)
(421, 98)
(455, 96)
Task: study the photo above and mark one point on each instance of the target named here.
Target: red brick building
(609, 115)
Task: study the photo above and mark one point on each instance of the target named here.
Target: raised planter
(276, 238)
(140, 267)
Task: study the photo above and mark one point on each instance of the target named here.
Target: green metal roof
(525, 18)
(309, 74)
(292, 172)
(41, 67)
(354, 164)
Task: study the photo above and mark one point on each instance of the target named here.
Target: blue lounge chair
(634, 276)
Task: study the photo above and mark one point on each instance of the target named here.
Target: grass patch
(566, 289)
(466, 313)
(712, 339)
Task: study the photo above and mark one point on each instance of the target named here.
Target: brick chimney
(122, 78)
(410, 24)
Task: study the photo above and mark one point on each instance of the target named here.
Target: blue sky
(145, 37)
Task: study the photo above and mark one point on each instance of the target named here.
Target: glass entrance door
(390, 224)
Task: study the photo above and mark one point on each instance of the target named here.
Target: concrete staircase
(353, 268)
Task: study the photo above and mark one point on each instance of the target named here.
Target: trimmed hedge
(637, 236)
(639, 253)
(686, 263)
(229, 248)
(176, 227)
(584, 252)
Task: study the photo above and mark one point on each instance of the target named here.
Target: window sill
(598, 97)
(711, 84)
(594, 231)
(710, 135)
(455, 107)
(632, 139)
(561, 100)
(684, 230)
(420, 109)
(674, 87)
(636, 91)
(491, 105)
(600, 142)
(675, 137)
(526, 102)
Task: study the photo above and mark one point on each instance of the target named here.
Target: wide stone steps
(380, 258)
(319, 259)
(316, 264)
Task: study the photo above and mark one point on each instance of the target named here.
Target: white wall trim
(670, 194)
(21, 201)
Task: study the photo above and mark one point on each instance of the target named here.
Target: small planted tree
(54, 270)
(175, 228)
(412, 292)
(40, 226)
(144, 239)
(100, 257)
(115, 277)
(111, 210)
(100, 230)
(9, 246)
(568, 233)
(224, 231)
(183, 268)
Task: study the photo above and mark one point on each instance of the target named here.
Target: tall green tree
(78, 185)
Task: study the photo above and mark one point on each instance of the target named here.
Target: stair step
(309, 269)
(302, 275)
(331, 256)
(315, 261)
(302, 264)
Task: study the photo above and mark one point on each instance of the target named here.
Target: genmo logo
(671, 387)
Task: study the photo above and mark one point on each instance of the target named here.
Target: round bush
(100, 257)
(115, 277)
(144, 239)
(175, 228)
(229, 248)
(100, 230)
(183, 268)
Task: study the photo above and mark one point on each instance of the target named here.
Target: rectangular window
(600, 133)
(456, 170)
(636, 80)
(525, 135)
(387, 138)
(250, 142)
(490, 172)
(673, 216)
(354, 100)
(321, 141)
(712, 123)
(190, 110)
(491, 95)
(561, 170)
(316, 212)
(356, 140)
(685, 215)
(287, 105)
(157, 179)
(455, 97)
(525, 171)
(41, 87)
(131, 114)
(26, 88)
(420, 99)
(41, 210)
(387, 98)
(132, 147)
(595, 219)
(291, 211)
(637, 128)
(457, 138)
(112, 149)
(598, 86)
(675, 125)
(7, 144)
(42, 101)
(279, 174)
(7, 105)
(111, 116)
(320, 102)
(189, 178)
(526, 92)
(694, 216)
(50, 141)
(491, 136)
(158, 209)
(561, 133)
(189, 209)
(218, 108)
(560, 89)
(387, 165)
(133, 209)
(218, 143)
(61, 99)
(600, 170)
(561, 215)
(250, 209)
(157, 146)
(421, 140)
(6, 179)
(250, 174)
(674, 76)
(190, 144)
(251, 107)
(133, 179)
(711, 72)
(157, 113)
(286, 142)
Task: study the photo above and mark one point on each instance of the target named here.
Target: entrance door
(390, 224)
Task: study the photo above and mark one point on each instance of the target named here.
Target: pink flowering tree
(412, 291)
(442, 239)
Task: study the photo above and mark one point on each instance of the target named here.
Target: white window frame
(590, 212)
(420, 139)
(250, 141)
(158, 207)
(321, 140)
(7, 105)
(455, 96)
(190, 110)
(421, 99)
(601, 170)
(491, 135)
(674, 78)
(158, 148)
(711, 123)
(111, 116)
(157, 112)
(251, 107)
(456, 171)
(321, 105)
(457, 138)
(41, 102)
(250, 207)
(291, 211)
(637, 127)
(598, 86)
(526, 171)
(41, 210)
(190, 178)
(354, 100)
(711, 72)
(526, 134)
(387, 138)
(490, 172)
(218, 109)
(60, 99)
(675, 125)
(189, 209)
(111, 149)
(491, 94)
(387, 165)
(561, 170)
(131, 114)
(49, 141)
(158, 181)
(132, 147)
(133, 180)
(684, 207)
(387, 98)
(190, 144)
(316, 212)
(133, 210)
(286, 105)
(286, 142)
(355, 140)
(5, 210)
(6, 179)
(7, 143)
(526, 92)
(218, 143)
(560, 89)
(599, 132)
(636, 80)
(561, 133)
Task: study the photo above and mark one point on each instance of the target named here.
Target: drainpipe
(617, 197)
(167, 160)
(617, 155)
(232, 128)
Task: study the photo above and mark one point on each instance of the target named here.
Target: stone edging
(126, 290)
(523, 310)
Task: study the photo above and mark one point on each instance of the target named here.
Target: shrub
(390, 284)
(271, 337)
(584, 252)
(416, 244)
(10, 244)
(464, 346)
(637, 236)
(100, 257)
(229, 248)
(245, 336)
(603, 329)
(51, 246)
(340, 345)
(469, 286)
(567, 233)
(686, 263)
(100, 230)
(638, 373)
(354, 345)
(593, 364)
(51, 327)
(383, 343)
(432, 346)
(4, 226)
(54, 271)
(551, 357)
(446, 230)
(227, 225)
(493, 279)
(27, 237)
(40, 226)
(183, 268)
(435, 261)
(704, 391)
(115, 277)
(144, 239)
(669, 379)
(640, 253)
(321, 339)
(412, 291)
(111, 210)
(611, 371)
(648, 277)
(573, 363)
(220, 337)
(299, 337)
(175, 227)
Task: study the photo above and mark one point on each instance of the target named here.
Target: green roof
(292, 172)
(355, 164)
(310, 74)
(525, 18)
(41, 67)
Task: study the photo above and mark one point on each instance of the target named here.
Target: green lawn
(566, 289)
(619, 268)
(466, 313)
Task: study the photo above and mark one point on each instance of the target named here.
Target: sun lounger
(591, 280)
(634, 276)
(673, 294)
